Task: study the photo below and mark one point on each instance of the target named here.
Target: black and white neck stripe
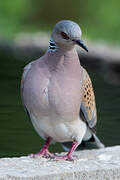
(52, 46)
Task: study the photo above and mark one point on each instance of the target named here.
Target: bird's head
(66, 34)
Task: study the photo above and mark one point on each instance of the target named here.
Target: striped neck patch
(52, 46)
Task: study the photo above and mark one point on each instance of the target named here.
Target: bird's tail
(92, 143)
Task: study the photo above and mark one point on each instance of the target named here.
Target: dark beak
(81, 44)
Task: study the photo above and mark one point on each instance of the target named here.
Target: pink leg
(44, 151)
(68, 156)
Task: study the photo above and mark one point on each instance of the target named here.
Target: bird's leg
(44, 151)
(69, 156)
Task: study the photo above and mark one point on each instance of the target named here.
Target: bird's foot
(45, 154)
(65, 157)
(69, 155)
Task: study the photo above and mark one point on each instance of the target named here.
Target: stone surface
(103, 164)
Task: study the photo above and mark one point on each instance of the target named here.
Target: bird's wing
(26, 70)
(88, 111)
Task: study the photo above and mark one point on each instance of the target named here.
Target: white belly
(59, 130)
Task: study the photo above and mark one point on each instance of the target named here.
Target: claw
(66, 157)
(69, 155)
(44, 152)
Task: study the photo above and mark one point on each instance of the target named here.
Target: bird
(57, 93)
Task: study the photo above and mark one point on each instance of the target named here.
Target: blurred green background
(99, 20)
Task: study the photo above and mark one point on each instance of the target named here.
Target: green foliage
(12, 14)
(98, 19)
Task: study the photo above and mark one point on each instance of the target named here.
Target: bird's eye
(64, 35)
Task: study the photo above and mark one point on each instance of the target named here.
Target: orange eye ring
(64, 35)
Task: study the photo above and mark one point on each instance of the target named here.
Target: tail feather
(92, 143)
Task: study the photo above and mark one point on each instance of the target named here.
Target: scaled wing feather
(88, 105)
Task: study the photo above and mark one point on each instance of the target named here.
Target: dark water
(17, 136)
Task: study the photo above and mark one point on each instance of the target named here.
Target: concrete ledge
(103, 164)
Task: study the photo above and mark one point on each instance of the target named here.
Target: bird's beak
(81, 44)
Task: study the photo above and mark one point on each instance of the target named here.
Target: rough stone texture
(103, 164)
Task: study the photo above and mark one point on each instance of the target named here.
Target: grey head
(66, 34)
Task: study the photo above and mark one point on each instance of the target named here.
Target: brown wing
(88, 105)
